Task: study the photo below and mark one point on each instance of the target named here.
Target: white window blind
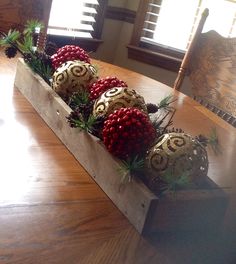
(172, 23)
(74, 18)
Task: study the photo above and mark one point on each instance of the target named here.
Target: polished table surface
(51, 211)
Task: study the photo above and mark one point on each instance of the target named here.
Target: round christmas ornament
(116, 98)
(69, 53)
(176, 154)
(128, 132)
(104, 84)
(73, 76)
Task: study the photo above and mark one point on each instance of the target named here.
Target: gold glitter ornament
(176, 153)
(73, 76)
(116, 98)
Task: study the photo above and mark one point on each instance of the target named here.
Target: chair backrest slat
(211, 67)
(188, 54)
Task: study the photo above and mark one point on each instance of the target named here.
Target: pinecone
(44, 58)
(104, 84)
(69, 53)
(51, 48)
(202, 139)
(10, 52)
(85, 109)
(152, 108)
(74, 115)
(98, 126)
(27, 57)
(128, 132)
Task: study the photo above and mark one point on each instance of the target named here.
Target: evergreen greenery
(23, 43)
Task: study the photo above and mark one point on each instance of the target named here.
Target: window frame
(89, 44)
(153, 54)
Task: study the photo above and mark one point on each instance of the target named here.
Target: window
(76, 22)
(164, 28)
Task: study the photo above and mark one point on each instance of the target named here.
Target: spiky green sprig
(38, 66)
(169, 113)
(98, 126)
(89, 123)
(211, 140)
(32, 26)
(10, 38)
(174, 182)
(130, 167)
(79, 98)
(77, 119)
(26, 46)
(165, 103)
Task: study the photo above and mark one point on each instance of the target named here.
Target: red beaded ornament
(69, 53)
(104, 84)
(128, 132)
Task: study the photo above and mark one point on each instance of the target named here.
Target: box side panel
(190, 210)
(133, 199)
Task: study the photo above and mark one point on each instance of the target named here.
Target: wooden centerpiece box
(185, 210)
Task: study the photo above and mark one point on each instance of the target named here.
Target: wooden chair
(210, 63)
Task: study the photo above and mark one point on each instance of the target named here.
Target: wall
(111, 34)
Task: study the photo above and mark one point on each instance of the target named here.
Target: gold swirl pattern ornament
(176, 153)
(73, 76)
(116, 98)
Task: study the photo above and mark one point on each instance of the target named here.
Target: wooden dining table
(51, 210)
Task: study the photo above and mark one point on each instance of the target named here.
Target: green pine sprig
(31, 27)
(26, 45)
(129, 167)
(165, 103)
(37, 66)
(213, 142)
(176, 181)
(79, 98)
(78, 121)
(10, 38)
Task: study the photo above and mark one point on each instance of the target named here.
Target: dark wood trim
(162, 49)
(139, 22)
(156, 55)
(121, 14)
(90, 45)
(100, 19)
(154, 58)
